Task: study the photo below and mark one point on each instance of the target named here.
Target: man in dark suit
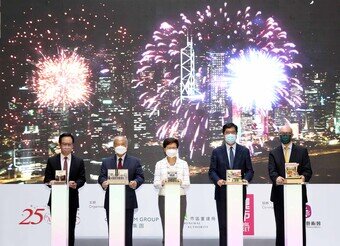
(229, 155)
(285, 153)
(136, 178)
(75, 176)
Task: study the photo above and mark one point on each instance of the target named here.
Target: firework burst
(214, 30)
(62, 81)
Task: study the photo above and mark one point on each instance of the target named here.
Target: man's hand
(133, 184)
(72, 184)
(279, 180)
(302, 178)
(245, 181)
(51, 182)
(105, 184)
(220, 182)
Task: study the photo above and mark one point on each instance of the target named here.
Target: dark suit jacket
(276, 168)
(77, 174)
(219, 164)
(135, 173)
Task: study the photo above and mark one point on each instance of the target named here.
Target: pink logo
(308, 211)
(248, 224)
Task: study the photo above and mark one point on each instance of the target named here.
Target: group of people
(230, 155)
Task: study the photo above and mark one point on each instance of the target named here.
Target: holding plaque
(118, 176)
(60, 177)
(292, 175)
(234, 176)
(172, 176)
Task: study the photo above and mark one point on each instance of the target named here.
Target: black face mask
(285, 139)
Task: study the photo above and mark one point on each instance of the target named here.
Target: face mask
(230, 138)
(171, 153)
(285, 139)
(120, 150)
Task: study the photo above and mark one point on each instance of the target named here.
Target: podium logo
(308, 211)
(248, 224)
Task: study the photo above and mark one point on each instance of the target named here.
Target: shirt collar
(123, 157)
(228, 146)
(62, 157)
(289, 146)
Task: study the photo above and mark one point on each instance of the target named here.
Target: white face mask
(120, 150)
(230, 138)
(171, 153)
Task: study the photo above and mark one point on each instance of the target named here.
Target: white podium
(117, 215)
(59, 215)
(172, 224)
(293, 214)
(234, 214)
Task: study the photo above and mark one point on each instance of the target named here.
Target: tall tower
(188, 83)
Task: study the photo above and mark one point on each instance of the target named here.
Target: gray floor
(187, 242)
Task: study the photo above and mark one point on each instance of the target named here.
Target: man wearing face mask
(171, 163)
(229, 155)
(285, 153)
(121, 160)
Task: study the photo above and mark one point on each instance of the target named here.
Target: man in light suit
(75, 176)
(285, 153)
(136, 178)
(229, 155)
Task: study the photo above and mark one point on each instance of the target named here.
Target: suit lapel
(293, 154)
(58, 162)
(113, 164)
(72, 167)
(282, 161)
(126, 162)
(237, 157)
(225, 155)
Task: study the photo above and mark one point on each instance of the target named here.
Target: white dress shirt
(161, 173)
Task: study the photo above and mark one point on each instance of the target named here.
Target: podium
(234, 220)
(293, 214)
(59, 215)
(172, 223)
(117, 215)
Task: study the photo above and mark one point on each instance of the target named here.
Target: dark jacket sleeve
(139, 174)
(306, 168)
(272, 168)
(49, 172)
(103, 172)
(81, 174)
(249, 171)
(213, 172)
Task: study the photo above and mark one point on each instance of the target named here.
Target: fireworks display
(216, 30)
(62, 81)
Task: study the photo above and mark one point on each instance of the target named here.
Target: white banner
(25, 218)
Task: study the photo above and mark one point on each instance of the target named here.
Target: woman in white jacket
(172, 164)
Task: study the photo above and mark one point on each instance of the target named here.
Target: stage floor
(158, 242)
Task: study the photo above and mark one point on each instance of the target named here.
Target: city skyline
(119, 105)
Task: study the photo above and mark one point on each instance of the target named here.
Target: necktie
(65, 166)
(231, 157)
(286, 154)
(120, 163)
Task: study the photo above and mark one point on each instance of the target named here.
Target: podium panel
(234, 214)
(293, 215)
(117, 215)
(59, 218)
(172, 214)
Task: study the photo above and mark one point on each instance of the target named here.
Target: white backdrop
(25, 217)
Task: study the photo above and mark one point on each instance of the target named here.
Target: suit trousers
(280, 226)
(183, 207)
(128, 225)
